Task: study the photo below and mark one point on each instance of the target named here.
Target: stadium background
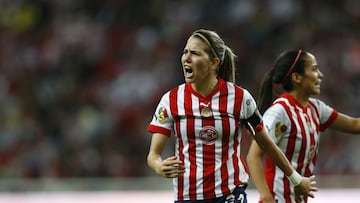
(79, 81)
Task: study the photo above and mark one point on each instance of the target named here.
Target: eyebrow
(197, 50)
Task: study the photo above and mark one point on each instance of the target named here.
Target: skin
(170, 167)
(306, 85)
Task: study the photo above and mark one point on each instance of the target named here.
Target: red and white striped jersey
(296, 130)
(208, 135)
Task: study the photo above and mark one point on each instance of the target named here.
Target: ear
(296, 78)
(215, 63)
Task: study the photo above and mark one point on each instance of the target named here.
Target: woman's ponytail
(266, 92)
(226, 69)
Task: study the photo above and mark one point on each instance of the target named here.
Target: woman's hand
(306, 187)
(170, 167)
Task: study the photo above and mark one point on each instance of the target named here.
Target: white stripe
(230, 108)
(218, 144)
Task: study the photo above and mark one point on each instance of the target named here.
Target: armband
(254, 122)
(295, 178)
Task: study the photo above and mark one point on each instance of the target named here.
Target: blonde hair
(218, 49)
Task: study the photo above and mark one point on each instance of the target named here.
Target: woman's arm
(170, 167)
(256, 168)
(346, 124)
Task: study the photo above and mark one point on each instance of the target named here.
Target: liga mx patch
(162, 115)
(280, 129)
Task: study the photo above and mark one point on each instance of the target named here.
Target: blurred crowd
(80, 80)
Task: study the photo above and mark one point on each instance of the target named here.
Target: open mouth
(188, 69)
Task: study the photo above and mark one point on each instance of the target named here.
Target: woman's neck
(206, 87)
(300, 97)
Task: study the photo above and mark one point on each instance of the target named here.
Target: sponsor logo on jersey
(208, 135)
(162, 115)
(280, 129)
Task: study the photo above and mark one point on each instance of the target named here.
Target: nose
(320, 74)
(186, 57)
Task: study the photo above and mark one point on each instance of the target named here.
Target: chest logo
(208, 135)
(205, 110)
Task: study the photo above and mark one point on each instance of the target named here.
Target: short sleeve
(276, 122)
(326, 113)
(248, 106)
(162, 120)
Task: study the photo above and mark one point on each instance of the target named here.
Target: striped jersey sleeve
(162, 120)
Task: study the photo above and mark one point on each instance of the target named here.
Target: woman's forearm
(256, 168)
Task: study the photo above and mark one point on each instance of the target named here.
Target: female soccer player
(206, 115)
(294, 122)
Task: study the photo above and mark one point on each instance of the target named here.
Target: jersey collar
(293, 101)
(221, 83)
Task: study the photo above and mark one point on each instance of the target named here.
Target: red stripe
(312, 105)
(292, 137)
(302, 152)
(175, 113)
(157, 129)
(270, 173)
(307, 167)
(331, 119)
(190, 123)
(289, 150)
(208, 158)
(239, 94)
(225, 141)
(287, 190)
(237, 108)
(312, 143)
(318, 129)
(315, 119)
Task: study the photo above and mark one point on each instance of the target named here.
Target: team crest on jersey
(206, 112)
(280, 129)
(162, 115)
(208, 134)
